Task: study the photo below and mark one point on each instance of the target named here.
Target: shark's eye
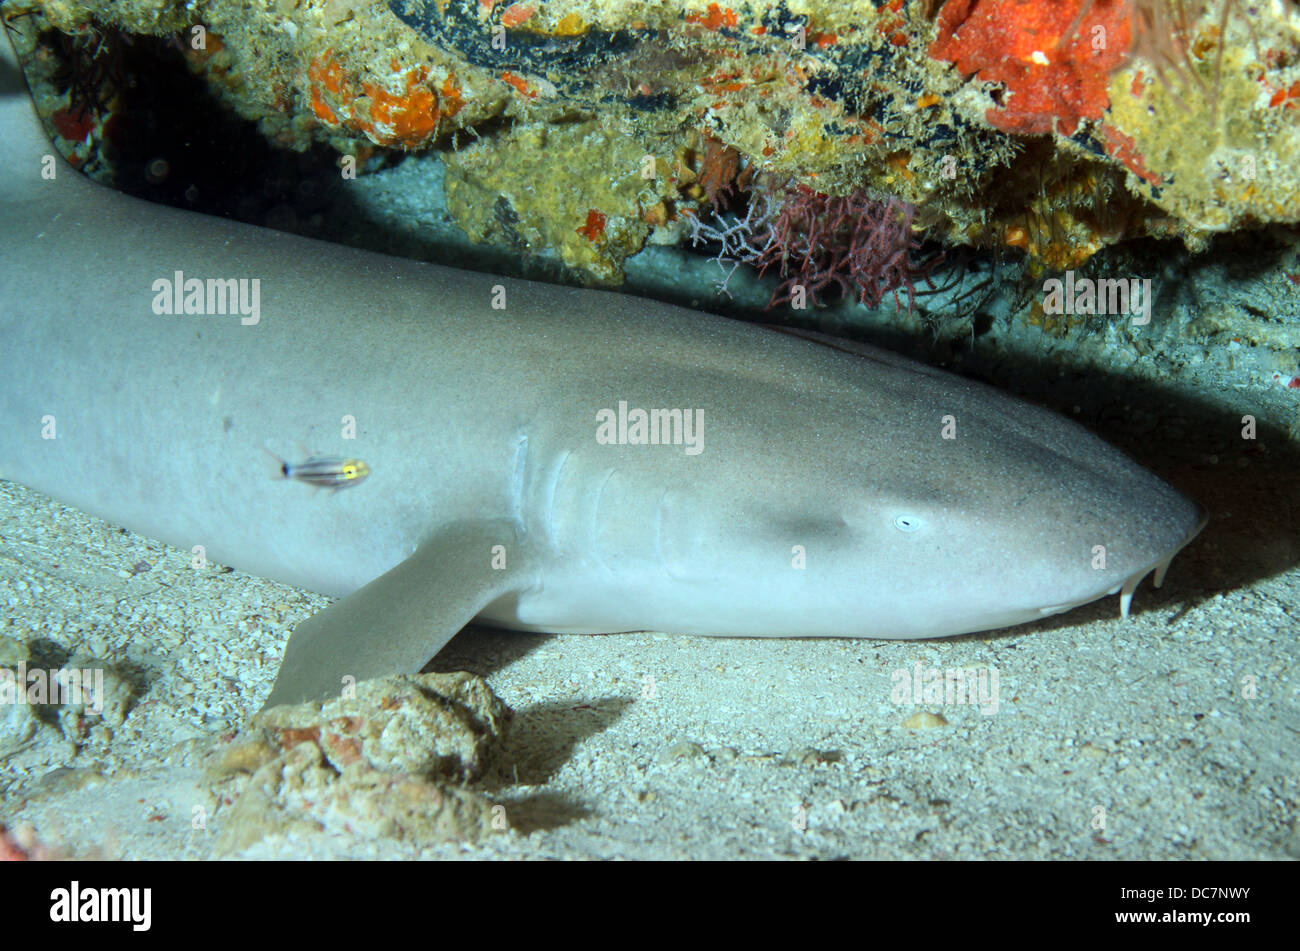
(907, 523)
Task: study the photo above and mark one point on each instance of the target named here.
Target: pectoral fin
(399, 621)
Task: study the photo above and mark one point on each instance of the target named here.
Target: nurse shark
(537, 457)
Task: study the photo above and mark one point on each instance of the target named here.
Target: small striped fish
(326, 472)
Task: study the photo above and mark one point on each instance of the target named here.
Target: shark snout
(1161, 565)
(1164, 543)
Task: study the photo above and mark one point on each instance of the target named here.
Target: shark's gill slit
(595, 521)
(552, 492)
(517, 477)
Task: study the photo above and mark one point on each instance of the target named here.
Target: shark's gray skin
(825, 501)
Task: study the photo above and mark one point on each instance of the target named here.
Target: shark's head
(1021, 516)
(935, 507)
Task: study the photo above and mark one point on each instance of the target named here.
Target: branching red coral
(864, 246)
(861, 244)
